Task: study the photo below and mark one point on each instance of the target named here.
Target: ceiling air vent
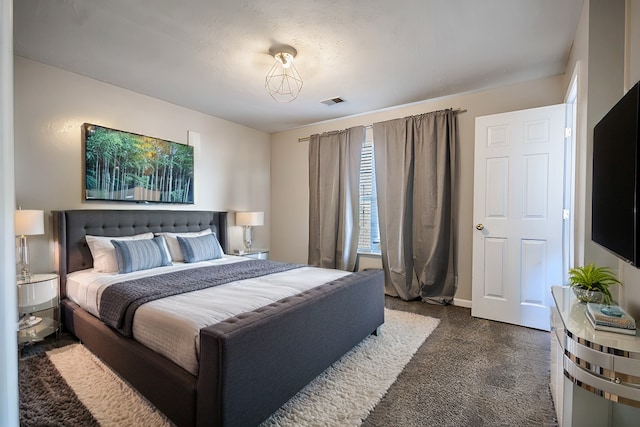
(332, 101)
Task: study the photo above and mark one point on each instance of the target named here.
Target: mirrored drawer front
(605, 371)
(610, 389)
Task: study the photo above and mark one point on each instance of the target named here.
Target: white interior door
(518, 211)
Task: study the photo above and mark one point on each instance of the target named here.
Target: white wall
(8, 297)
(605, 88)
(289, 165)
(578, 66)
(231, 167)
(606, 51)
(631, 275)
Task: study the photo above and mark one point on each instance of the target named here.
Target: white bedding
(171, 326)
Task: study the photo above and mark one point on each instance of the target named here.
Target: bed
(249, 364)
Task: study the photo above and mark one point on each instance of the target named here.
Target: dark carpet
(46, 399)
(468, 372)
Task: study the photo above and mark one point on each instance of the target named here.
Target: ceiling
(213, 55)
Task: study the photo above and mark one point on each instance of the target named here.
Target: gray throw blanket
(119, 301)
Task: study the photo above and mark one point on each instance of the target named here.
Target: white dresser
(595, 375)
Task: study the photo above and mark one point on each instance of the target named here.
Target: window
(369, 238)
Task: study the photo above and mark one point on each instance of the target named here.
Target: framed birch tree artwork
(127, 167)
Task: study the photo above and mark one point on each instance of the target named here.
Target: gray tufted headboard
(70, 228)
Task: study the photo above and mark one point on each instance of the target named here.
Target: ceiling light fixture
(283, 82)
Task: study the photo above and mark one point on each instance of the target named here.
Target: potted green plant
(591, 283)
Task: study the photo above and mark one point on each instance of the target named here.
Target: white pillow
(174, 246)
(104, 254)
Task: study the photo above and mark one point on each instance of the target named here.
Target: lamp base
(28, 322)
(24, 277)
(25, 273)
(247, 238)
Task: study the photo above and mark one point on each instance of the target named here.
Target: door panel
(518, 190)
(496, 189)
(495, 258)
(533, 271)
(536, 188)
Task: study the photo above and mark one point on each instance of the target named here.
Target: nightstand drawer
(40, 293)
(38, 304)
(255, 253)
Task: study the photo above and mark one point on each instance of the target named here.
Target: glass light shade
(250, 218)
(286, 59)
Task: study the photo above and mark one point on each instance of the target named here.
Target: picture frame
(127, 167)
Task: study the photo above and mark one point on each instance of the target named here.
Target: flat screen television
(616, 179)
(127, 167)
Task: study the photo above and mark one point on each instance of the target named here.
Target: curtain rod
(455, 110)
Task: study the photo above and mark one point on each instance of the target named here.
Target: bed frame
(250, 364)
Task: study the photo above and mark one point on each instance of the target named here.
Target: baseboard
(462, 302)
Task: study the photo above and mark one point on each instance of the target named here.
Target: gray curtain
(334, 177)
(415, 168)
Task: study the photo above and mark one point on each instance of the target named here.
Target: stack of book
(610, 318)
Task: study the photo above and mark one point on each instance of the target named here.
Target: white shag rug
(103, 392)
(343, 395)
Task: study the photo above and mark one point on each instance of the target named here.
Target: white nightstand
(253, 253)
(37, 299)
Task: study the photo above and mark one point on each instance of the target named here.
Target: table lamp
(27, 223)
(248, 220)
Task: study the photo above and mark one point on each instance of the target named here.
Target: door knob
(479, 227)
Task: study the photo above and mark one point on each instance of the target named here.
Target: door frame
(575, 190)
(570, 175)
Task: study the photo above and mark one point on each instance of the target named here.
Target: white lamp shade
(29, 222)
(250, 218)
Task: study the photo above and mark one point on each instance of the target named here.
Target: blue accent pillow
(200, 248)
(135, 255)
